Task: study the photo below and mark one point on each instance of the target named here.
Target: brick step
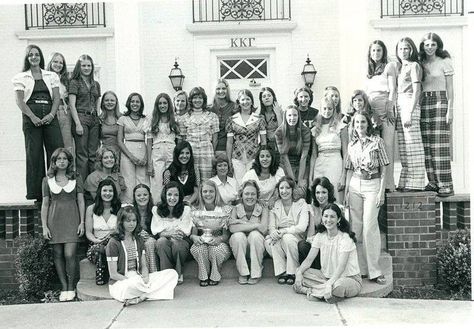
(88, 290)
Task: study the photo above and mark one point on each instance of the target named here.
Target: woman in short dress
(266, 172)
(62, 218)
(248, 225)
(101, 221)
(210, 234)
(131, 140)
(200, 127)
(110, 113)
(437, 102)
(244, 129)
(171, 225)
(287, 226)
(339, 276)
(37, 96)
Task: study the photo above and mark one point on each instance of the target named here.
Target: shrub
(454, 262)
(34, 266)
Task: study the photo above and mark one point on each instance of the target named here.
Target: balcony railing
(240, 10)
(64, 15)
(410, 8)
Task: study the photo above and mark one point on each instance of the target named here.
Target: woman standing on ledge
(437, 113)
(37, 96)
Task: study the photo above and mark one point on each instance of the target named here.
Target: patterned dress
(199, 130)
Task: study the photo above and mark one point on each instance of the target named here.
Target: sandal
(282, 279)
(213, 283)
(379, 280)
(290, 279)
(203, 283)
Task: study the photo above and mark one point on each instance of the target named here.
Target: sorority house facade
(251, 43)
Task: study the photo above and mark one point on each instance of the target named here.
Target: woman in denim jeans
(84, 95)
(37, 96)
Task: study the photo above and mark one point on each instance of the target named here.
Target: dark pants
(37, 139)
(86, 144)
(303, 251)
(172, 253)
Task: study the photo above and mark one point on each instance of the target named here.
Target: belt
(39, 101)
(329, 151)
(434, 93)
(87, 112)
(135, 140)
(366, 175)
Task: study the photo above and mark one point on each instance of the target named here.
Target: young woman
(322, 193)
(303, 100)
(381, 89)
(62, 217)
(161, 141)
(131, 140)
(210, 234)
(293, 139)
(84, 94)
(243, 131)
(224, 107)
(266, 172)
(272, 113)
(248, 225)
(287, 226)
(130, 281)
(365, 192)
(437, 102)
(181, 107)
(106, 168)
(359, 102)
(200, 127)
(172, 224)
(110, 113)
(410, 145)
(332, 93)
(182, 171)
(58, 65)
(37, 96)
(143, 204)
(226, 185)
(329, 146)
(339, 276)
(101, 221)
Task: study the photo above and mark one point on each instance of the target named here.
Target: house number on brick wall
(241, 42)
(412, 205)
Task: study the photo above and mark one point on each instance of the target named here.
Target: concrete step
(88, 290)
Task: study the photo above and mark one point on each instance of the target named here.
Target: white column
(127, 49)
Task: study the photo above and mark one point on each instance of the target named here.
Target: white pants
(363, 213)
(132, 174)
(162, 156)
(240, 168)
(284, 253)
(252, 244)
(160, 286)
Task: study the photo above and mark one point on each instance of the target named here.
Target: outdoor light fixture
(309, 73)
(176, 76)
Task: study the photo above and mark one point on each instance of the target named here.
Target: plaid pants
(410, 146)
(210, 259)
(435, 135)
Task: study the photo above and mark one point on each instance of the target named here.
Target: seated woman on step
(130, 281)
(339, 276)
(101, 221)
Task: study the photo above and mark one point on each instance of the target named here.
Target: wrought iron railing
(409, 8)
(64, 15)
(240, 10)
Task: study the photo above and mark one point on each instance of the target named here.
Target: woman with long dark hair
(272, 113)
(339, 276)
(37, 96)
